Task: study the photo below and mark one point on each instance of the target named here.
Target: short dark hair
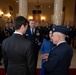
(19, 21)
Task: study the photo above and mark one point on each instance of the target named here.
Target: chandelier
(37, 5)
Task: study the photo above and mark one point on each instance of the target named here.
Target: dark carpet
(72, 71)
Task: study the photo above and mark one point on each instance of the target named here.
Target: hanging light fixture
(8, 15)
(37, 5)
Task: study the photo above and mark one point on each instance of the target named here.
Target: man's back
(59, 60)
(18, 51)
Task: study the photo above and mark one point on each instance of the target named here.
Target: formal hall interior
(55, 12)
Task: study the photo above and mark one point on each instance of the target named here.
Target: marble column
(58, 8)
(23, 8)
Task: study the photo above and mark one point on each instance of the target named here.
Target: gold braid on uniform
(6, 33)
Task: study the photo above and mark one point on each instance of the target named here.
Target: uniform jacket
(5, 33)
(18, 55)
(35, 39)
(59, 60)
(29, 36)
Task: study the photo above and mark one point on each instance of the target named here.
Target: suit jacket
(29, 36)
(59, 60)
(35, 40)
(18, 55)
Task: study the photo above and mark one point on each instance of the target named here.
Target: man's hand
(44, 56)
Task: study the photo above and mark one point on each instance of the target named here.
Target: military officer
(59, 59)
(6, 31)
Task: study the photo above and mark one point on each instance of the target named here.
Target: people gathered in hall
(36, 33)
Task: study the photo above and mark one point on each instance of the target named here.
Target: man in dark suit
(33, 34)
(30, 33)
(17, 51)
(59, 58)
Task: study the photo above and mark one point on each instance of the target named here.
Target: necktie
(32, 31)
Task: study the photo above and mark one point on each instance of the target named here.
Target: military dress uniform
(5, 33)
(70, 36)
(46, 30)
(35, 37)
(60, 57)
(38, 41)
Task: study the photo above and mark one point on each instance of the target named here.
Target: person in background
(33, 34)
(18, 56)
(6, 31)
(46, 46)
(46, 29)
(11, 27)
(60, 57)
(70, 36)
(39, 38)
(30, 33)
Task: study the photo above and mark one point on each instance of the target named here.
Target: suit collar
(18, 33)
(61, 42)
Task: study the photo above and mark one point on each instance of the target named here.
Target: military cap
(61, 29)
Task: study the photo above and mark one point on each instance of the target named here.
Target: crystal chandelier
(37, 5)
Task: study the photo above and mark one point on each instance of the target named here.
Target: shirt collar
(18, 33)
(61, 42)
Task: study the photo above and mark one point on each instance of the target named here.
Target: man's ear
(26, 26)
(22, 26)
(59, 37)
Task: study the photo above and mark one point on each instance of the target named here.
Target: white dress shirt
(18, 33)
